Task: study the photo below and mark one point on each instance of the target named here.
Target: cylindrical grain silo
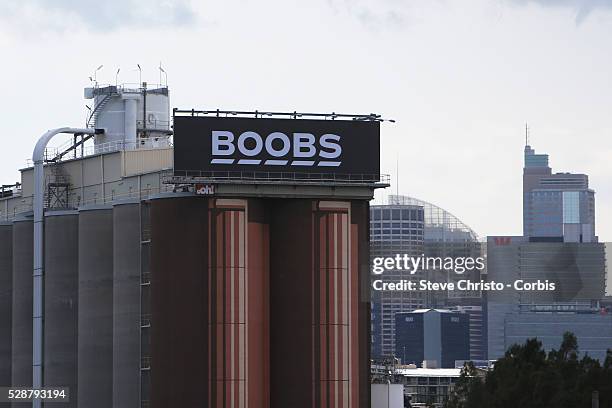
(95, 316)
(238, 304)
(179, 299)
(61, 303)
(209, 264)
(128, 113)
(258, 286)
(23, 247)
(6, 303)
(126, 305)
(318, 315)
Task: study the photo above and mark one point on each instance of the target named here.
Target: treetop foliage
(527, 377)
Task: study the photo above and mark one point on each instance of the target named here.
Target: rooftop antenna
(139, 74)
(397, 175)
(117, 76)
(526, 134)
(161, 70)
(95, 75)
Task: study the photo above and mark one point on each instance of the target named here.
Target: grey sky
(460, 77)
(96, 14)
(582, 8)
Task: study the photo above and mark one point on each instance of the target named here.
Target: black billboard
(243, 147)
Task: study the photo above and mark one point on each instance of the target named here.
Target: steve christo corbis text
(459, 265)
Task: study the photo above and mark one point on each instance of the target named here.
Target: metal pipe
(144, 109)
(38, 157)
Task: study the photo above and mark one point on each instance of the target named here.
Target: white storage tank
(133, 116)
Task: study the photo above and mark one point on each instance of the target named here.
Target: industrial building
(428, 387)
(422, 387)
(180, 268)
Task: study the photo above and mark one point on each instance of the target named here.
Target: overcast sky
(460, 77)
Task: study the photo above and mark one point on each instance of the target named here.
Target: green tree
(527, 377)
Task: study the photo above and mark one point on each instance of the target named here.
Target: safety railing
(197, 176)
(91, 149)
(9, 212)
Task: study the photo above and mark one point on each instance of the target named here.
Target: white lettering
(242, 144)
(225, 139)
(326, 143)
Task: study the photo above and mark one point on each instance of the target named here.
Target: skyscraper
(557, 207)
(414, 227)
(559, 246)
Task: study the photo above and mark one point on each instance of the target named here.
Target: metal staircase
(58, 187)
(91, 120)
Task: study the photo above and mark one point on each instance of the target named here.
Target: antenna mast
(526, 134)
(397, 175)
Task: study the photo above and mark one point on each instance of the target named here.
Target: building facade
(557, 207)
(439, 337)
(591, 325)
(394, 230)
(428, 387)
(576, 269)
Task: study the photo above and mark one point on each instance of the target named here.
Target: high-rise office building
(414, 227)
(558, 246)
(394, 229)
(477, 319)
(437, 336)
(557, 207)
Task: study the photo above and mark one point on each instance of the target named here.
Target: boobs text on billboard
(304, 149)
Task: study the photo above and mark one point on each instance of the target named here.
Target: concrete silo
(6, 303)
(133, 116)
(22, 304)
(318, 309)
(126, 304)
(95, 317)
(61, 302)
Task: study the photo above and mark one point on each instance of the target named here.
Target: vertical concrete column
(126, 305)
(292, 336)
(95, 316)
(179, 302)
(6, 304)
(238, 304)
(258, 318)
(23, 247)
(332, 304)
(209, 263)
(319, 308)
(131, 113)
(61, 303)
(359, 272)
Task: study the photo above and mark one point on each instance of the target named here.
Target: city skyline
(460, 79)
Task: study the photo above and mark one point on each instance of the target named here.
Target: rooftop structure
(440, 224)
